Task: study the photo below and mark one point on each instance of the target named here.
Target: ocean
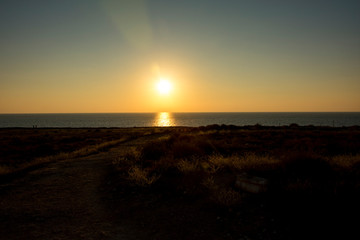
(90, 120)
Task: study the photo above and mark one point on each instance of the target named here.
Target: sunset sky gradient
(76, 56)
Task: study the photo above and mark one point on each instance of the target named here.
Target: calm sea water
(177, 119)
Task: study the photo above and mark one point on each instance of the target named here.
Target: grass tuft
(345, 161)
(5, 170)
(187, 166)
(141, 176)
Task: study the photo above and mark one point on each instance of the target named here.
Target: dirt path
(63, 200)
(78, 199)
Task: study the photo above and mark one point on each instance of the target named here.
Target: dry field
(179, 183)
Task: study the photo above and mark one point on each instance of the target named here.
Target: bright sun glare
(164, 86)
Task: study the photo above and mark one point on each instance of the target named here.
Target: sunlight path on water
(164, 119)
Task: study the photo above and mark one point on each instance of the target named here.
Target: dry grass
(145, 166)
(217, 162)
(227, 197)
(62, 156)
(251, 161)
(5, 170)
(294, 159)
(24, 145)
(345, 161)
(209, 183)
(246, 162)
(142, 177)
(299, 185)
(207, 161)
(186, 166)
(81, 152)
(224, 196)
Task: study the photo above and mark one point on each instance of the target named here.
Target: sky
(89, 56)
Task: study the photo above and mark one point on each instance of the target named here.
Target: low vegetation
(206, 161)
(312, 174)
(21, 148)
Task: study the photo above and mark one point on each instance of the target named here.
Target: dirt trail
(62, 200)
(80, 199)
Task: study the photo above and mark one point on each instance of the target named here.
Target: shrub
(223, 196)
(345, 161)
(185, 149)
(251, 162)
(306, 165)
(5, 170)
(154, 150)
(142, 176)
(227, 197)
(186, 166)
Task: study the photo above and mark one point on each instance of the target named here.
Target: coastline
(180, 119)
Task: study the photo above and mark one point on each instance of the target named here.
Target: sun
(164, 86)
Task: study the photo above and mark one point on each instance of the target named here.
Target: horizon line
(181, 112)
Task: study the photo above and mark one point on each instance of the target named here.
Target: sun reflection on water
(164, 119)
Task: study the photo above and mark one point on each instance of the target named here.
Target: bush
(154, 150)
(141, 176)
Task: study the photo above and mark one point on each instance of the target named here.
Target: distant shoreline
(178, 119)
(216, 126)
